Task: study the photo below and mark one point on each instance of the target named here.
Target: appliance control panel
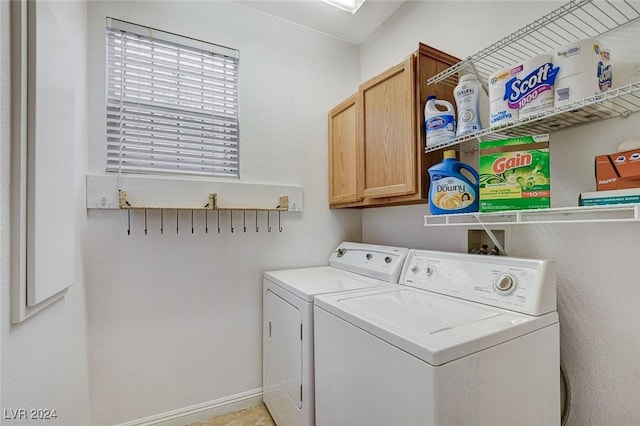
(517, 284)
(376, 261)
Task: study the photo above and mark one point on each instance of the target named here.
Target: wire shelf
(608, 213)
(574, 20)
(620, 101)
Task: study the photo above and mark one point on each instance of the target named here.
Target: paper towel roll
(499, 110)
(536, 85)
(584, 71)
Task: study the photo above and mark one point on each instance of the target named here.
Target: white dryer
(288, 295)
(463, 340)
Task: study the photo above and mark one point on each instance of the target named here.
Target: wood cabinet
(376, 138)
(345, 153)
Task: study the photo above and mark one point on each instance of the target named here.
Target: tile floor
(252, 416)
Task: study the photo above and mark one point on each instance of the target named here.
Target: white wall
(598, 294)
(175, 320)
(44, 359)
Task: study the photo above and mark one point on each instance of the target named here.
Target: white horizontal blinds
(172, 103)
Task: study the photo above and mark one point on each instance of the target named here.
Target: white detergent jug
(439, 125)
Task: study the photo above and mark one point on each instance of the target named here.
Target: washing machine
(288, 295)
(462, 340)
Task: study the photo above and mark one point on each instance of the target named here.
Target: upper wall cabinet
(345, 153)
(376, 138)
(387, 132)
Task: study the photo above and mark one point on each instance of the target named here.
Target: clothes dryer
(463, 340)
(288, 295)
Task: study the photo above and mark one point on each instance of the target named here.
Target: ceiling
(328, 19)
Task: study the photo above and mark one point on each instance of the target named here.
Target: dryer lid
(435, 328)
(306, 283)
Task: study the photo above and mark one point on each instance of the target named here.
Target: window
(172, 103)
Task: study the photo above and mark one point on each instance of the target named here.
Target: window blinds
(172, 103)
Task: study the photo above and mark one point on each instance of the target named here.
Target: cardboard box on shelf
(620, 170)
(514, 174)
(616, 196)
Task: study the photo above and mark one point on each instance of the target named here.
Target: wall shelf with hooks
(189, 194)
(211, 204)
(164, 200)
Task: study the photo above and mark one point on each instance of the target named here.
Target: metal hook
(279, 227)
(244, 220)
(218, 221)
(177, 221)
(206, 221)
(161, 221)
(128, 222)
(145, 221)
(192, 221)
(256, 220)
(232, 221)
(268, 217)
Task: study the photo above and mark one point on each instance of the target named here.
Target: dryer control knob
(505, 284)
(387, 259)
(369, 256)
(415, 269)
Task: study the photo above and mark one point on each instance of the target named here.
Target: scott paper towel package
(585, 71)
(500, 112)
(574, 72)
(531, 92)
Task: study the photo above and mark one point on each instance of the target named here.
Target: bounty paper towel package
(584, 71)
(514, 174)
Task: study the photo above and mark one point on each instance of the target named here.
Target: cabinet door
(387, 132)
(345, 153)
(282, 355)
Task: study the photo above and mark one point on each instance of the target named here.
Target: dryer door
(282, 351)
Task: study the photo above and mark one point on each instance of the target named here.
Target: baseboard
(203, 411)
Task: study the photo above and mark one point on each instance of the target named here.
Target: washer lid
(306, 283)
(435, 328)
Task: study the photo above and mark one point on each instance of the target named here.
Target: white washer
(288, 388)
(463, 340)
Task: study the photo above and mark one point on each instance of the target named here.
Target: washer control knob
(429, 271)
(387, 259)
(369, 256)
(415, 269)
(341, 252)
(505, 284)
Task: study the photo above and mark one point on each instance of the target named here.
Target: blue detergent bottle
(450, 191)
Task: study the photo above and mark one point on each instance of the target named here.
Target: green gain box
(514, 174)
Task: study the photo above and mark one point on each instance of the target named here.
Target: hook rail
(211, 204)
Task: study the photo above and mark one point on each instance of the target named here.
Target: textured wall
(598, 293)
(175, 320)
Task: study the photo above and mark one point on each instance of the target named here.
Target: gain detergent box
(514, 174)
